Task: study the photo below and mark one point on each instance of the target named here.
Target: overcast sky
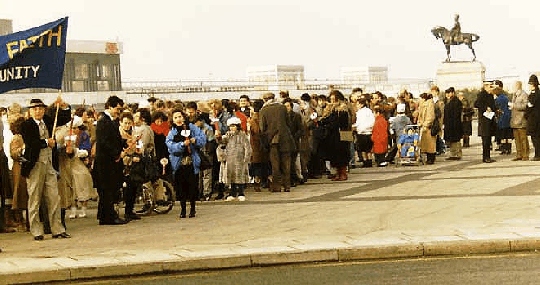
(179, 39)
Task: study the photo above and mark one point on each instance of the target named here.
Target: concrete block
(381, 252)
(295, 257)
(35, 277)
(230, 261)
(525, 245)
(112, 270)
(466, 247)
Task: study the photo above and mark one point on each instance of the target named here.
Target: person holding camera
(184, 143)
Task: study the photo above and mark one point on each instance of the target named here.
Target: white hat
(77, 122)
(233, 121)
(400, 108)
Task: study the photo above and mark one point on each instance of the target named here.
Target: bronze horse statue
(462, 38)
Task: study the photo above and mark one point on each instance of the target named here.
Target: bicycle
(146, 201)
(156, 194)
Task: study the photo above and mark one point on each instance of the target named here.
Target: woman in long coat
(533, 115)
(336, 118)
(426, 116)
(75, 182)
(259, 159)
(504, 131)
(20, 194)
(467, 118)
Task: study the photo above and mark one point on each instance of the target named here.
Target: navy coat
(453, 127)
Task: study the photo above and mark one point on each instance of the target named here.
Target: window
(81, 71)
(105, 71)
(77, 86)
(103, 86)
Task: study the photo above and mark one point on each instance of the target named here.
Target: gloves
(164, 161)
(81, 153)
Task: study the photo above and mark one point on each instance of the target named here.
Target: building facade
(92, 66)
(6, 27)
(276, 77)
(364, 75)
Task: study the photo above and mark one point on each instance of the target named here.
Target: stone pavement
(449, 208)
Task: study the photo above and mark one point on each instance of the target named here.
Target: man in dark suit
(275, 125)
(485, 103)
(38, 169)
(453, 127)
(108, 162)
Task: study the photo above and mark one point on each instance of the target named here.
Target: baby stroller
(408, 144)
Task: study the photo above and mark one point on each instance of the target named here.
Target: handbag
(346, 136)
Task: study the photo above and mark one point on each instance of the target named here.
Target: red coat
(379, 135)
(243, 120)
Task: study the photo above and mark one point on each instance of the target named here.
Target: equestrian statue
(455, 37)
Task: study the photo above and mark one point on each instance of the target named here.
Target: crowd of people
(61, 158)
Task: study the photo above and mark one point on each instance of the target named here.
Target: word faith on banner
(17, 46)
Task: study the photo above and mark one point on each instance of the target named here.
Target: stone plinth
(460, 75)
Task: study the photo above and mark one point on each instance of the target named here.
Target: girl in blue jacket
(184, 142)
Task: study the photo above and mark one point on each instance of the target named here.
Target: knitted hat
(233, 121)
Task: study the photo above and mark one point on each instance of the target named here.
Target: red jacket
(379, 135)
(243, 120)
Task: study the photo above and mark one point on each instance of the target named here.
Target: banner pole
(56, 115)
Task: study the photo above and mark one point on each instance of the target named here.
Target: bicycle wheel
(165, 206)
(144, 201)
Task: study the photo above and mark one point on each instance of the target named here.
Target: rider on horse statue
(455, 33)
(455, 37)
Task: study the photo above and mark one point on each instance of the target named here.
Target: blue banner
(34, 58)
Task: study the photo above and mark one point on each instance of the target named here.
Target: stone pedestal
(460, 75)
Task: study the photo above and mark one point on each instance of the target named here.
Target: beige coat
(426, 116)
(234, 158)
(257, 154)
(519, 106)
(75, 182)
(20, 194)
